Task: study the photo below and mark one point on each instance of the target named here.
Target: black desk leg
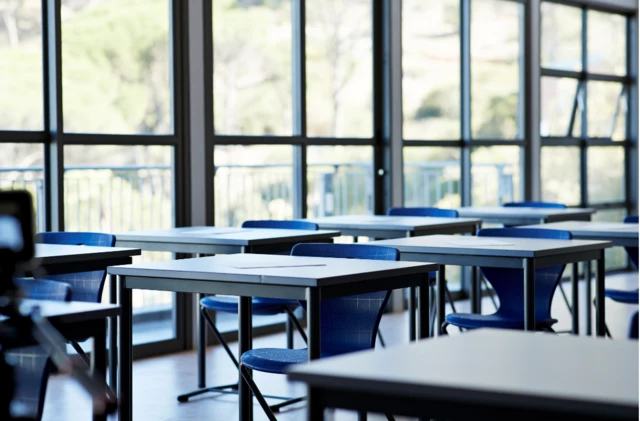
(476, 291)
(588, 303)
(202, 346)
(315, 411)
(113, 336)
(440, 290)
(99, 358)
(529, 294)
(313, 322)
(125, 361)
(244, 343)
(424, 309)
(412, 314)
(600, 322)
(575, 311)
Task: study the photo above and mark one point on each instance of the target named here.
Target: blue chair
(633, 327)
(85, 286)
(509, 287)
(260, 307)
(31, 364)
(345, 326)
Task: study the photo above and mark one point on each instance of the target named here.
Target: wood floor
(157, 381)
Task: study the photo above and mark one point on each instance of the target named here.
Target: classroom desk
(221, 240)
(76, 320)
(383, 226)
(525, 216)
(58, 259)
(521, 253)
(483, 374)
(620, 235)
(274, 276)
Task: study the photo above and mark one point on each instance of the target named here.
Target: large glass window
(432, 177)
(558, 107)
(496, 77)
(21, 90)
(252, 67)
(431, 69)
(116, 70)
(253, 182)
(606, 110)
(561, 37)
(560, 174)
(339, 68)
(605, 166)
(495, 174)
(606, 43)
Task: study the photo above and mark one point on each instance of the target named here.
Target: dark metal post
(424, 308)
(99, 357)
(529, 294)
(440, 290)
(412, 313)
(244, 343)
(575, 322)
(313, 322)
(126, 363)
(113, 336)
(587, 302)
(600, 320)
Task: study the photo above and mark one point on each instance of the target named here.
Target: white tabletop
(493, 366)
(491, 246)
(274, 269)
(224, 235)
(592, 229)
(385, 222)
(520, 212)
(58, 253)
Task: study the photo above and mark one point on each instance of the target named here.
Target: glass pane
(431, 69)
(557, 98)
(339, 68)
(560, 37)
(116, 70)
(124, 188)
(21, 98)
(560, 173)
(607, 110)
(21, 169)
(495, 175)
(605, 167)
(606, 43)
(339, 180)
(432, 177)
(496, 74)
(614, 257)
(252, 67)
(253, 182)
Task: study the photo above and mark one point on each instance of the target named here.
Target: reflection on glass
(557, 104)
(606, 43)
(253, 182)
(432, 177)
(125, 188)
(339, 180)
(560, 37)
(614, 257)
(21, 92)
(607, 110)
(21, 168)
(431, 69)
(339, 68)
(496, 53)
(605, 165)
(252, 67)
(116, 71)
(560, 173)
(495, 175)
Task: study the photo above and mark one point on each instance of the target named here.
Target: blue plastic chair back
(42, 289)
(533, 204)
(433, 212)
(349, 324)
(508, 282)
(289, 225)
(85, 286)
(632, 251)
(633, 327)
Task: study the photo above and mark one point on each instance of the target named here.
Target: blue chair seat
(259, 306)
(274, 360)
(496, 320)
(622, 296)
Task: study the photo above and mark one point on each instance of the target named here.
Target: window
(607, 109)
(561, 37)
(495, 172)
(607, 43)
(116, 71)
(432, 177)
(252, 67)
(339, 68)
(605, 174)
(559, 112)
(560, 173)
(21, 72)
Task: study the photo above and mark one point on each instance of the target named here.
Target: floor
(157, 381)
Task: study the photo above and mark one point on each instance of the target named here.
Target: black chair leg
(381, 339)
(76, 346)
(296, 323)
(362, 415)
(256, 392)
(564, 296)
(390, 417)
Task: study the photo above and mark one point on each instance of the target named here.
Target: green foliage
(501, 117)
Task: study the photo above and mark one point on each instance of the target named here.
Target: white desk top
(518, 212)
(490, 246)
(385, 222)
(225, 235)
(493, 366)
(57, 253)
(274, 269)
(592, 229)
